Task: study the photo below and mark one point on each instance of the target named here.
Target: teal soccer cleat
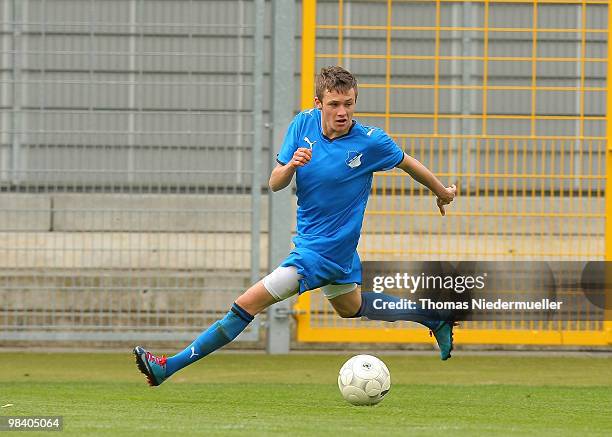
(154, 368)
(444, 337)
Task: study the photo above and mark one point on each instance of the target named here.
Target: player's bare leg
(347, 305)
(256, 299)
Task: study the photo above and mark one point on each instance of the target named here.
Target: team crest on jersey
(354, 159)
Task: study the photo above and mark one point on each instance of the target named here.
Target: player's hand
(446, 198)
(301, 157)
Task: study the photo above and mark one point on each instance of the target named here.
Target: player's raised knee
(345, 298)
(346, 313)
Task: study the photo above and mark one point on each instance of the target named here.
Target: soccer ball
(364, 380)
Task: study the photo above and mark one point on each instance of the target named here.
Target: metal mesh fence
(507, 99)
(127, 144)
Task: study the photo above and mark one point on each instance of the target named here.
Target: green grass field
(232, 394)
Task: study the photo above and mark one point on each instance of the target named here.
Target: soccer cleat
(444, 337)
(154, 368)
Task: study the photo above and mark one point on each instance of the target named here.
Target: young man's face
(337, 112)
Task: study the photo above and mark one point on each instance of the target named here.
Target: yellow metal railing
(527, 194)
(608, 229)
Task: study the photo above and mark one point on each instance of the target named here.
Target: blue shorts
(317, 270)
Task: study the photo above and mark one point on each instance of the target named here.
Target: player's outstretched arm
(282, 174)
(423, 175)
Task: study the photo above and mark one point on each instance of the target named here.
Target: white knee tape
(283, 282)
(334, 290)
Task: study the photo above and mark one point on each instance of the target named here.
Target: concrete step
(56, 297)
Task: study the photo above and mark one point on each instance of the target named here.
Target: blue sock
(429, 318)
(218, 335)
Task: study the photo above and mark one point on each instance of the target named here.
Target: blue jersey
(332, 193)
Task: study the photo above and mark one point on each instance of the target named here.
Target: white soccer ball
(364, 380)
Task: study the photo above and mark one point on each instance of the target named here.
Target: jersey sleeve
(291, 141)
(386, 154)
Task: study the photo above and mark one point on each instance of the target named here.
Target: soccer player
(333, 158)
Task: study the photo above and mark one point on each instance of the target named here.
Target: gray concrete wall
(211, 214)
(25, 212)
(167, 253)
